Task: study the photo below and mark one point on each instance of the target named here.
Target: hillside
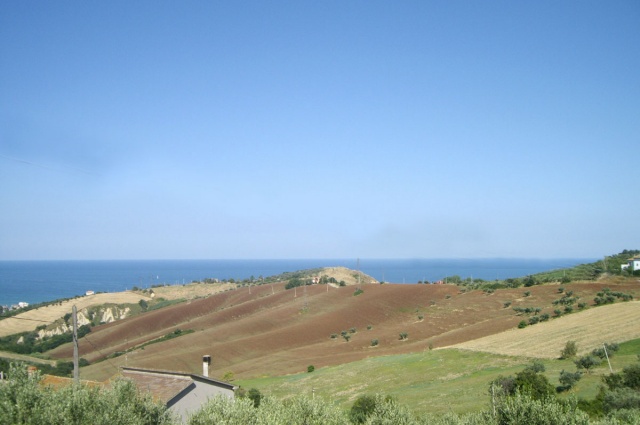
(266, 330)
(589, 328)
(29, 320)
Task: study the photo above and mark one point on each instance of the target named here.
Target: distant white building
(22, 304)
(633, 264)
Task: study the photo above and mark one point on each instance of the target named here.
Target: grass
(436, 381)
(426, 382)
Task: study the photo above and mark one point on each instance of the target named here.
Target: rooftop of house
(165, 385)
(60, 381)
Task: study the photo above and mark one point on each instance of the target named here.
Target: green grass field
(436, 381)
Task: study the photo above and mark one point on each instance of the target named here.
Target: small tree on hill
(568, 380)
(569, 351)
(587, 362)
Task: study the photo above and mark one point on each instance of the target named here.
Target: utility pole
(607, 355)
(76, 371)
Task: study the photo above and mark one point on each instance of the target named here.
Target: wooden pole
(76, 371)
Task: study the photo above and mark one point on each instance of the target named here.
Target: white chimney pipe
(206, 361)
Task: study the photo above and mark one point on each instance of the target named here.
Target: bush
(587, 362)
(631, 376)
(25, 401)
(568, 380)
(362, 408)
(529, 381)
(403, 336)
(621, 398)
(374, 342)
(600, 352)
(255, 396)
(310, 368)
(523, 409)
(294, 411)
(569, 351)
(522, 324)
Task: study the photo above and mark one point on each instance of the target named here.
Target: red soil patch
(271, 332)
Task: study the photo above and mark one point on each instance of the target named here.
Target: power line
(101, 353)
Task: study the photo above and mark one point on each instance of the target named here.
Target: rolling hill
(269, 331)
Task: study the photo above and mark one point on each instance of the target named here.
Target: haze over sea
(39, 281)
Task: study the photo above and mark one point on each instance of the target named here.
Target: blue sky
(307, 129)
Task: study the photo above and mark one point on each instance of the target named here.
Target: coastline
(41, 281)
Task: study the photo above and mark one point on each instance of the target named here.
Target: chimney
(206, 361)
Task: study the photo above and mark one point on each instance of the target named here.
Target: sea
(40, 281)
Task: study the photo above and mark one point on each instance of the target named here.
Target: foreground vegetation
(429, 380)
(24, 401)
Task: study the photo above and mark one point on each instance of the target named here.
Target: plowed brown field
(273, 331)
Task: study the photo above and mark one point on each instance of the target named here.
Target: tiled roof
(59, 381)
(163, 386)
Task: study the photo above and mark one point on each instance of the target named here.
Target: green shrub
(362, 408)
(523, 409)
(587, 362)
(255, 396)
(25, 401)
(568, 380)
(570, 350)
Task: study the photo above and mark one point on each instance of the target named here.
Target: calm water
(38, 281)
